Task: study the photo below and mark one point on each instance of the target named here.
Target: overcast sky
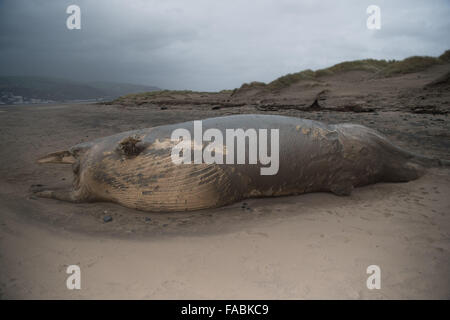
(210, 44)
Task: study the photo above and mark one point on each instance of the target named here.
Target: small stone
(107, 219)
(148, 219)
(165, 225)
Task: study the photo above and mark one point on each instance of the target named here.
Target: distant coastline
(18, 90)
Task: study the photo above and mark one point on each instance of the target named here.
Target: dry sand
(300, 247)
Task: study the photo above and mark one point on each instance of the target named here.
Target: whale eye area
(130, 146)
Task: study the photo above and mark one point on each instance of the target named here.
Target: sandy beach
(300, 247)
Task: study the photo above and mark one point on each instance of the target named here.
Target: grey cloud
(206, 44)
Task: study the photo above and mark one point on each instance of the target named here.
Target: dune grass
(445, 56)
(382, 68)
(254, 84)
(410, 65)
(370, 65)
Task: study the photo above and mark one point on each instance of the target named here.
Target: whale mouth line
(60, 157)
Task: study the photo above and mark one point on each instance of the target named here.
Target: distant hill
(19, 89)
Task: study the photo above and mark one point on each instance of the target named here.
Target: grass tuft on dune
(384, 68)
